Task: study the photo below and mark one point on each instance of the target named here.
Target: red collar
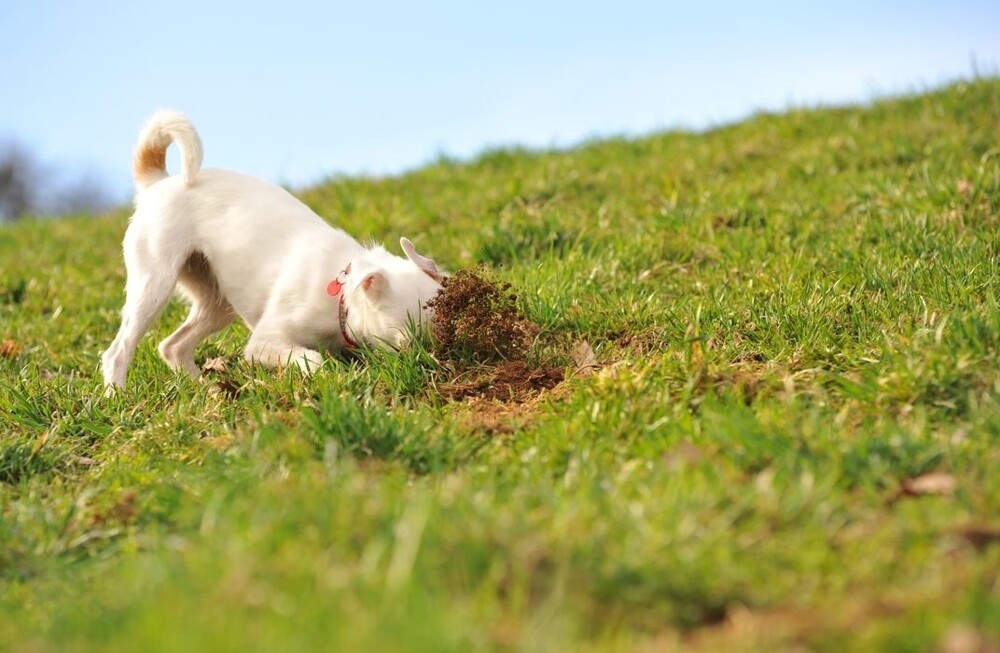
(335, 288)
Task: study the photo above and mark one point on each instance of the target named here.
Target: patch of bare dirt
(10, 349)
(511, 382)
(643, 343)
(493, 418)
(124, 510)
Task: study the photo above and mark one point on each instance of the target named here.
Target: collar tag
(336, 288)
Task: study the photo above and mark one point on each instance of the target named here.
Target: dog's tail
(150, 162)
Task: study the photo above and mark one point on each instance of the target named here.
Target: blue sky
(295, 91)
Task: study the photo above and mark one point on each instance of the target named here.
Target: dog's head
(387, 295)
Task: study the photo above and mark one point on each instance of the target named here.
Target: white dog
(239, 246)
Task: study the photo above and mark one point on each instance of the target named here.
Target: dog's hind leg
(146, 294)
(150, 282)
(210, 312)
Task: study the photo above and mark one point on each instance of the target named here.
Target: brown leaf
(933, 483)
(225, 388)
(10, 349)
(682, 455)
(584, 358)
(215, 365)
(980, 537)
(963, 638)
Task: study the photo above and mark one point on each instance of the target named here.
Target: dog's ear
(422, 262)
(374, 285)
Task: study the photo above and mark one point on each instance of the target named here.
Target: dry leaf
(933, 483)
(685, 453)
(215, 365)
(225, 388)
(963, 638)
(980, 537)
(10, 349)
(584, 358)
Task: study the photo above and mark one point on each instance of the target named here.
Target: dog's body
(237, 246)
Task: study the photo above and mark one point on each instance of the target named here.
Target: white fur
(237, 246)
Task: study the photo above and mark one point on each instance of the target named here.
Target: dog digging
(482, 341)
(476, 319)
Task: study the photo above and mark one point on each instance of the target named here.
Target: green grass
(794, 315)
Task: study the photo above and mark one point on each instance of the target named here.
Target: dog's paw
(308, 360)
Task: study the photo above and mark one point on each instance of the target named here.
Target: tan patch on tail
(149, 160)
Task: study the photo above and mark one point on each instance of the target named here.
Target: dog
(237, 246)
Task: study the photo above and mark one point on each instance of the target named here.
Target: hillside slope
(792, 439)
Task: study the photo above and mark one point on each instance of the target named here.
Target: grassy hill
(793, 438)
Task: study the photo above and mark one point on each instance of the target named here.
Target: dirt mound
(479, 330)
(477, 317)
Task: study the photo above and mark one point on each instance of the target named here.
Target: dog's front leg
(205, 318)
(274, 353)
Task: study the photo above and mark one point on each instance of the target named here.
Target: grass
(794, 317)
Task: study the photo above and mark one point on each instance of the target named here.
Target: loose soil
(479, 330)
(509, 382)
(476, 316)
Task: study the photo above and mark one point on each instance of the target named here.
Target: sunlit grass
(793, 315)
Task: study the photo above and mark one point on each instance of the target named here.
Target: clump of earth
(477, 320)
(477, 316)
